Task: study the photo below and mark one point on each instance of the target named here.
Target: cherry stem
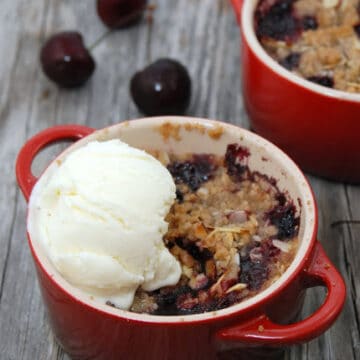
(99, 40)
(343, 222)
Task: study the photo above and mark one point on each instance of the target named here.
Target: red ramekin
(90, 330)
(317, 126)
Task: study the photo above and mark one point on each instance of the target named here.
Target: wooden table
(204, 36)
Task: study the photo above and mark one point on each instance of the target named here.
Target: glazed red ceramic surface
(90, 330)
(317, 126)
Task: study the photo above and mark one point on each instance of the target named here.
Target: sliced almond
(236, 287)
(282, 245)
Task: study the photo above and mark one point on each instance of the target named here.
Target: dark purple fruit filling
(322, 80)
(194, 305)
(162, 88)
(200, 255)
(291, 61)
(185, 301)
(284, 218)
(255, 264)
(120, 13)
(357, 29)
(207, 290)
(236, 161)
(309, 23)
(166, 299)
(66, 61)
(253, 273)
(193, 173)
(179, 196)
(281, 198)
(277, 21)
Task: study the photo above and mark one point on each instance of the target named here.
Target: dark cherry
(236, 158)
(277, 20)
(162, 88)
(309, 23)
(291, 61)
(120, 13)
(322, 80)
(283, 217)
(66, 61)
(193, 173)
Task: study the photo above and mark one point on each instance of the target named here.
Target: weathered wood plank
(203, 35)
(352, 261)
(19, 302)
(341, 340)
(25, 333)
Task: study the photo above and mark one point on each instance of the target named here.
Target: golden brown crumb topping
(325, 45)
(231, 229)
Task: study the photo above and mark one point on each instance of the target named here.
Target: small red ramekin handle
(262, 331)
(237, 5)
(25, 177)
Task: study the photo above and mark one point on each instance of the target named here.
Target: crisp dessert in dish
(318, 40)
(232, 230)
(152, 232)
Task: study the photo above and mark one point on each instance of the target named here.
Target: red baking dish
(87, 329)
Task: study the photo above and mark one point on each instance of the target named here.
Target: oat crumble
(232, 230)
(318, 40)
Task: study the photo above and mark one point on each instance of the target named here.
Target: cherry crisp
(231, 229)
(318, 40)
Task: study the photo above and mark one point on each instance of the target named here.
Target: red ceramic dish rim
(299, 263)
(247, 25)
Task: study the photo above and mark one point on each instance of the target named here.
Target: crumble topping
(231, 229)
(318, 40)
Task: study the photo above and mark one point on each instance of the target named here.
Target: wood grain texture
(204, 36)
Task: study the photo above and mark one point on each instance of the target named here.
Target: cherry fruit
(162, 88)
(120, 13)
(66, 61)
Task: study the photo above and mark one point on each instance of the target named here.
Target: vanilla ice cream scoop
(100, 218)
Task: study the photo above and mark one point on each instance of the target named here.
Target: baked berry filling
(316, 39)
(283, 217)
(255, 264)
(291, 61)
(232, 230)
(277, 21)
(357, 29)
(194, 172)
(309, 23)
(236, 160)
(322, 80)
